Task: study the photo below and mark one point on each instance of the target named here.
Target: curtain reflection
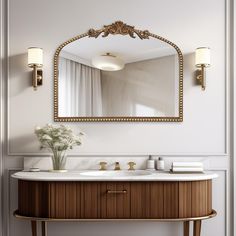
(79, 90)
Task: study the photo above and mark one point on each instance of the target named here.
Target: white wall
(202, 136)
(134, 85)
(203, 112)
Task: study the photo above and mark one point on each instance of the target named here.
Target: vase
(59, 162)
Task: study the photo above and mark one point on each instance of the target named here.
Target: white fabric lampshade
(108, 62)
(203, 56)
(35, 56)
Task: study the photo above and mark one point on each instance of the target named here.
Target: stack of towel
(187, 167)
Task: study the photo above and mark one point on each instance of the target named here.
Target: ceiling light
(108, 62)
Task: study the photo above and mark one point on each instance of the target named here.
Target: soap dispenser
(150, 163)
(160, 164)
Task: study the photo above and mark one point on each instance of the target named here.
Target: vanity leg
(197, 228)
(34, 227)
(186, 228)
(44, 228)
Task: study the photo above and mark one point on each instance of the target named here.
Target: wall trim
(18, 154)
(233, 117)
(3, 104)
(1, 111)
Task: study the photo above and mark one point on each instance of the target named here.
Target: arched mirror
(118, 73)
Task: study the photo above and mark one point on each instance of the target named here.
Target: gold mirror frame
(126, 30)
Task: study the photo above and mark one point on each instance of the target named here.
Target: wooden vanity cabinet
(114, 200)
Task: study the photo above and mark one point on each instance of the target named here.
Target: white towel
(187, 164)
(187, 169)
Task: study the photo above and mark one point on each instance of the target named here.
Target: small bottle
(160, 164)
(150, 163)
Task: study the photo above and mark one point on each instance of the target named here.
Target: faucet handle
(103, 165)
(131, 165)
(117, 166)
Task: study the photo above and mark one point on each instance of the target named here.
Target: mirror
(118, 73)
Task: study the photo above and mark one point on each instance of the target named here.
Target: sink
(118, 173)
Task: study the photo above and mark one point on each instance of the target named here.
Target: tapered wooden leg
(186, 228)
(34, 227)
(44, 228)
(197, 228)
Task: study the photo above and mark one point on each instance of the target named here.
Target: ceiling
(127, 48)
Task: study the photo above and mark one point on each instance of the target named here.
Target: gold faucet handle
(131, 165)
(117, 166)
(103, 165)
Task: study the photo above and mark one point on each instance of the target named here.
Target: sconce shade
(108, 62)
(203, 57)
(35, 56)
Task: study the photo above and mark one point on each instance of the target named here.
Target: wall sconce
(35, 61)
(202, 60)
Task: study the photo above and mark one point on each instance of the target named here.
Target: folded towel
(187, 169)
(187, 164)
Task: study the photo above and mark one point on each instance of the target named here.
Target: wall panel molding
(3, 106)
(1, 110)
(233, 117)
(17, 154)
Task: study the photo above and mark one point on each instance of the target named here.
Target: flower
(57, 138)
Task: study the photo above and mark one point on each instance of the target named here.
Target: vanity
(114, 196)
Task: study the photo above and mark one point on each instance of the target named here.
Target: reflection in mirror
(118, 73)
(146, 86)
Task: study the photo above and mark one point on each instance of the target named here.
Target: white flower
(57, 138)
(37, 128)
(46, 137)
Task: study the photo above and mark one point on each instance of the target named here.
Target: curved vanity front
(44, 196)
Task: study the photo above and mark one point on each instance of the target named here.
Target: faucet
(117, 166)
(131, 165)
(103, 165)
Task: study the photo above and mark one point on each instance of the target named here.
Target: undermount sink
(120, 173)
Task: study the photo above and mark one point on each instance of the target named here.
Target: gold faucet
(103, 165)
(117, 166)
(131, 165)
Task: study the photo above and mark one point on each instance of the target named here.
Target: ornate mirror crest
(119, 28)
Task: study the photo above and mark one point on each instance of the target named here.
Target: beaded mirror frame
(126, 30)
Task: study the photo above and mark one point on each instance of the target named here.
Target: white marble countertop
(91, 175)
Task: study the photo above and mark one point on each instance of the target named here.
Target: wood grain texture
(200, 198)
(115, 205)
(156, 200)
(185, 199)
(71, 200)
(197, 228)
(186, 228)
(138, 200)
(209, 197)
(171, 200)
(147, 200)
(44, 228)
(57, 200)
(34, 228)
(78, 200)
(90, 200)
(33, 198)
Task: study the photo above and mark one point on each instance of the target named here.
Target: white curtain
(79, 88)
